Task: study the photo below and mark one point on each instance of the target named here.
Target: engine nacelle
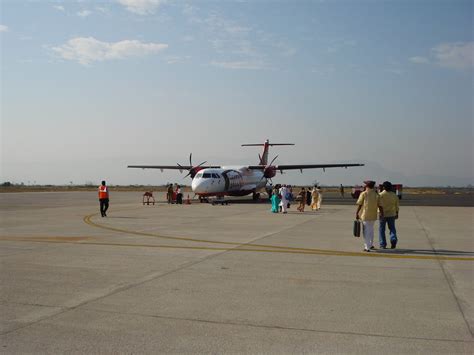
(269, 172)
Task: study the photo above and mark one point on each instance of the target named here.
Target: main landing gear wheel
(222, 203)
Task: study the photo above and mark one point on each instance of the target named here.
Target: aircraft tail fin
(264, 157)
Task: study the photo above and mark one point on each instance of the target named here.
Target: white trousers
(283, 205)
(368, 232)
(320, 199)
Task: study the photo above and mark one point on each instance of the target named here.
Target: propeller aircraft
(220, 181)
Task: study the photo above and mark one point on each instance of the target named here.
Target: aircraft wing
(304, 166)
(172, 167)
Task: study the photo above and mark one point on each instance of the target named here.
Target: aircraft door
(226, 180)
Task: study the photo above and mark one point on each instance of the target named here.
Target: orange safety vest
(103, 192)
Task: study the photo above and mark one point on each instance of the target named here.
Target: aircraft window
(206, 176)
(199, 175)
(215, 176)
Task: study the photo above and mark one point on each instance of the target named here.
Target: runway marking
(302, 251)
(269, 248)
(89, 241)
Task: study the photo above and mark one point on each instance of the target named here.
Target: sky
(89, 87)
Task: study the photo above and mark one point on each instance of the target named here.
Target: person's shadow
(442, 252)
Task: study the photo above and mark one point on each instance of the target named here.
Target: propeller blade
(190, 159)
(204, 162)
(273, 160)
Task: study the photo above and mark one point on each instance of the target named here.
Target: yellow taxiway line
(262, 247)
(89, 241)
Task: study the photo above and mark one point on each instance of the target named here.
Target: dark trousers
(104, 205)
(390, 222)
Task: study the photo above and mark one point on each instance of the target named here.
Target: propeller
(269, 171)
(194, 169)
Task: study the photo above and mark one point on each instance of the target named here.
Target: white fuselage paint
(229, 180)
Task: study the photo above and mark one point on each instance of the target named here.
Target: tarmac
(229, 279)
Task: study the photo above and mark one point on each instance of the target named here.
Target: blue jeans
(390, 221)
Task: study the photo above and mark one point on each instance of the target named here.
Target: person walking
(275, 201)
(320, 197)
(179, 195)
(103, 199)
(302, 195)
(367, 205)
(169, 194)
(314, 199)
(341, 190)
(390, 205)
(284, 196)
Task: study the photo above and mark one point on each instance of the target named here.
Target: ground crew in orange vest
(103, 199)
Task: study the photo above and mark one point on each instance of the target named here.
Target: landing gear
(255, 196)
(222, 203)
(219, 201)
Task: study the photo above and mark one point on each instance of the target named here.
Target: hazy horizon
(88, 88)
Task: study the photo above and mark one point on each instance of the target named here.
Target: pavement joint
(446, 274)
(277, 327)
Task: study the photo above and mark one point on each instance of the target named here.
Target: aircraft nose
(197, 186)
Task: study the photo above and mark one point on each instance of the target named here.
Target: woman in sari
(275, 201)
(302, 194)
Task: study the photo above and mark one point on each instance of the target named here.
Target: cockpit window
(199, 175)
(207, 175)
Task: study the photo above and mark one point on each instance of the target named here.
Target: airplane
(220, 181)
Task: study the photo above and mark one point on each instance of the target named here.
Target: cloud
(454, 55)
(336, 45)
(141, 7)
(457, 55)
(177, 59)
(419, 60)
(84, 13)
(187, 38)
(3, 28)
(59, 7)
(86, 50)
(249, 65)
(237, 44)
(323, 70)
(395, 71)
(103, 10)
(189, 10)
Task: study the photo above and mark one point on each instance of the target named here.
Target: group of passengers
(386, 203)
(282, 196)
(174, 194)
(370, 205)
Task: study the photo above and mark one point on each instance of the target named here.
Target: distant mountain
(372, 170)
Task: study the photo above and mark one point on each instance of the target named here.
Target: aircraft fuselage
(231, 181)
